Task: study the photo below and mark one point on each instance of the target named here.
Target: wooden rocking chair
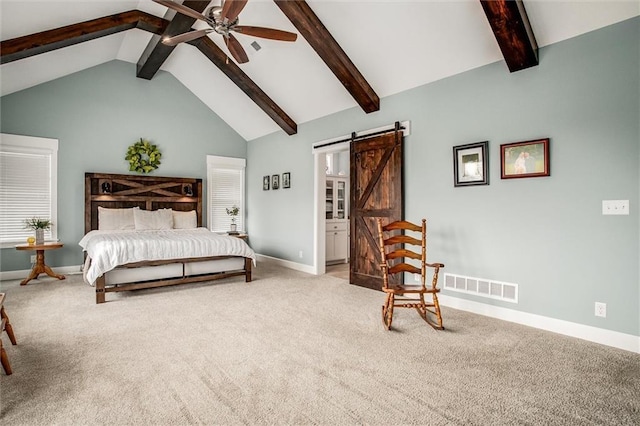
(397, 260)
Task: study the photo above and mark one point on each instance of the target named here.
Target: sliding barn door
(376, 192)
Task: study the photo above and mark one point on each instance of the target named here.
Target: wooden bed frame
(149, 193)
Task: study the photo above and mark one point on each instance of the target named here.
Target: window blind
(225, 189)
(27, 185)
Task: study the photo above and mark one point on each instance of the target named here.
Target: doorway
(337, 185)
(320, 195)
(319, 151)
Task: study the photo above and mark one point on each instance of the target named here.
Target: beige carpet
(290, 348)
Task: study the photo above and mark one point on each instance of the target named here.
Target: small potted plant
(39, 225)
(233, 212)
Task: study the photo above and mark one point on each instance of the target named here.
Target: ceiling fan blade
(191, 35)
(182, 9)
(232, 8)
(269, 33)
(236, 49)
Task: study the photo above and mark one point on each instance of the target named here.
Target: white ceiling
(396, 45)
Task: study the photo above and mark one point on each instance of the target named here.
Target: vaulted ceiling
(349, 53)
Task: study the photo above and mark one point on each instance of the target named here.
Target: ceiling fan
(224, 20)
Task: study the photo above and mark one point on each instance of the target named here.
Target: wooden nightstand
(241, 236)
(40, 267)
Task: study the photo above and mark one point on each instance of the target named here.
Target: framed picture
(286, 180)
(524, 159)
(265, 183)
(471, 164)
(275, 181)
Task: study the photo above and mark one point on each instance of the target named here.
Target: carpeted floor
(291, 348)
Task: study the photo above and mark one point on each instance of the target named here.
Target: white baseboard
(286, 263)
(616, 339)
(20, 275)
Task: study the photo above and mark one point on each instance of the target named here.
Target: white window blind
(28, 182)
(225, 189)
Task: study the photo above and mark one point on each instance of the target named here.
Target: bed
(146, 231)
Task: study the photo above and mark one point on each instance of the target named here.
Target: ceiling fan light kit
(224, 20)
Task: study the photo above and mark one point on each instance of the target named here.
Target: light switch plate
(615, 207)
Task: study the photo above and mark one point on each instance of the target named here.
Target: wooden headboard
(147, 192)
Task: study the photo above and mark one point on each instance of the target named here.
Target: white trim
(616, 339)
(320, 225)
(234, 163)
(20, 275)
(342, 146)
(34, 144)
(286, 263)
(18, 143)
(228, 162)
(345, 145)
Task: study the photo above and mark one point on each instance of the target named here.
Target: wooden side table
(40, 267)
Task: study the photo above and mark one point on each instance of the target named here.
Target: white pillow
(116, 219)
(156, 219)
(185, 220)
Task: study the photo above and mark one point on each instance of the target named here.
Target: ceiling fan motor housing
(219, 25)
(223, 20)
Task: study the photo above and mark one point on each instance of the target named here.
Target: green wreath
(143, 156)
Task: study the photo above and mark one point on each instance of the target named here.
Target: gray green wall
(546, 234)
(96, 114)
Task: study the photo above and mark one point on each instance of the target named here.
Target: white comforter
(109, 249)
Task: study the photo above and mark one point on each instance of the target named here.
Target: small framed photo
(265, 183)
(471, 164)
(275, 181)
(525, 159)
(286, 180)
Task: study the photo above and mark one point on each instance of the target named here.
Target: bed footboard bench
(102, 288)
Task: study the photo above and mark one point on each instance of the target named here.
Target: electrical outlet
(601, 309)
(33, 258)
(416, 277)
(300, 254)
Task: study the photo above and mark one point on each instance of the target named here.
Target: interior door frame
(319, 219)
(320, 150)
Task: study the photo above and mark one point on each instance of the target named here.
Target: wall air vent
(482, 287)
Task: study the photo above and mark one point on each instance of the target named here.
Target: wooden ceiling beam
(513, 32)
(313, 30)
(251, 89)
(156, 53)
(46, 41)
